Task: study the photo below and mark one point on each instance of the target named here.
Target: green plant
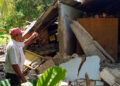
(6, 7)
(5, 82)
(34, 82)
(47, 2)
(16, 13)
(4, 39)
(52, 76)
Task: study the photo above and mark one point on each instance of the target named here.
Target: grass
(4, 39)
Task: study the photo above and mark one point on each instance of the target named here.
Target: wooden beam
(86, 42)
(103, 51)
(44, 15)
(87, 79)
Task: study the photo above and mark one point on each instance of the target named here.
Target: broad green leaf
(52, 76)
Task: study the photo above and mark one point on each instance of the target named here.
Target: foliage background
(19, 13)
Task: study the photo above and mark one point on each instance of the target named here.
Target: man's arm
(30, 39)
(19, 73)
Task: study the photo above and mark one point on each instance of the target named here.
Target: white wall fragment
(91, 66)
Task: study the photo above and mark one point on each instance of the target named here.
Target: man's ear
(15, 38)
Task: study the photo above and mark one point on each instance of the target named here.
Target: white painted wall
(91, 66)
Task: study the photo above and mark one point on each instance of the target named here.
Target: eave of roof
(45, 18)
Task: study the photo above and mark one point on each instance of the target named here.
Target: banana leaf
(52, 76)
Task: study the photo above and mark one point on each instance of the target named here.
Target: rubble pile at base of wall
(2, 73)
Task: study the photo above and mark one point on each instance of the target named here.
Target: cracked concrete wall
(67, 40)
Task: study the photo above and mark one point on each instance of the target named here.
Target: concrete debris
(39, 75)
(26, 84)
(91, 66)
(35, 63)
(63, 83)
(61, 58)
(2, 50)
(114, 66)
(2, 73)
(67, 31)
(83, 83)
(2, 58)
(111, 76)
(42, 68)
(1, 66)
(32, 75)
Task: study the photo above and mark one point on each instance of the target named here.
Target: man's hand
(31, 38)
(34, 35)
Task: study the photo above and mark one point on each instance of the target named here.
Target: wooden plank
(86, 41)
(45, 16)
(104, 31)
(31, 57)
(103, 51)
(46, 13)
(87, 79)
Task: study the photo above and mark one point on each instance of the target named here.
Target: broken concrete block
(39, 75)
(42, 68)
(91, 66)
(60, 58)
(27, 84)
(64, 83)
(1, 67)
(92, 83)
(111, 76)
(32, 75)
(2, 75)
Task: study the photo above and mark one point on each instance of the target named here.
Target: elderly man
(15, 56)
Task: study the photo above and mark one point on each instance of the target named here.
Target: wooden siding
(105, 31)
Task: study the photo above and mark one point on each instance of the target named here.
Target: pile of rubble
(96, 68)
(92, 69)
(80, 71)
(2, 73)
(2, 50)
(2, 62)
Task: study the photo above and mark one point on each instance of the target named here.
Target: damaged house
(74, 34)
